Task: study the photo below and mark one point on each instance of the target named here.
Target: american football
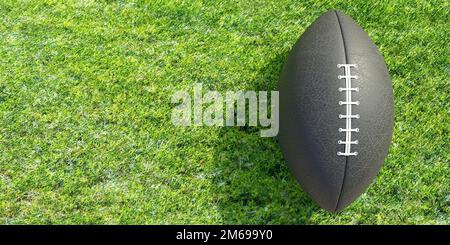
(336, 111)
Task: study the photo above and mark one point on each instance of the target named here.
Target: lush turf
(86, 136)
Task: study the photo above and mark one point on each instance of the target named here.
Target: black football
(336, 110)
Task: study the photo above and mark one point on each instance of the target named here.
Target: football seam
(346, 158)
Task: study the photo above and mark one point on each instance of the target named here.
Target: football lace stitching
(348, 103)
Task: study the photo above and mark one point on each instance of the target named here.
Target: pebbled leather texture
(309, 111)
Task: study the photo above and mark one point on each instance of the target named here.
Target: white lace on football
(348, 142)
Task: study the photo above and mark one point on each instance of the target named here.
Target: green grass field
(86, 135)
